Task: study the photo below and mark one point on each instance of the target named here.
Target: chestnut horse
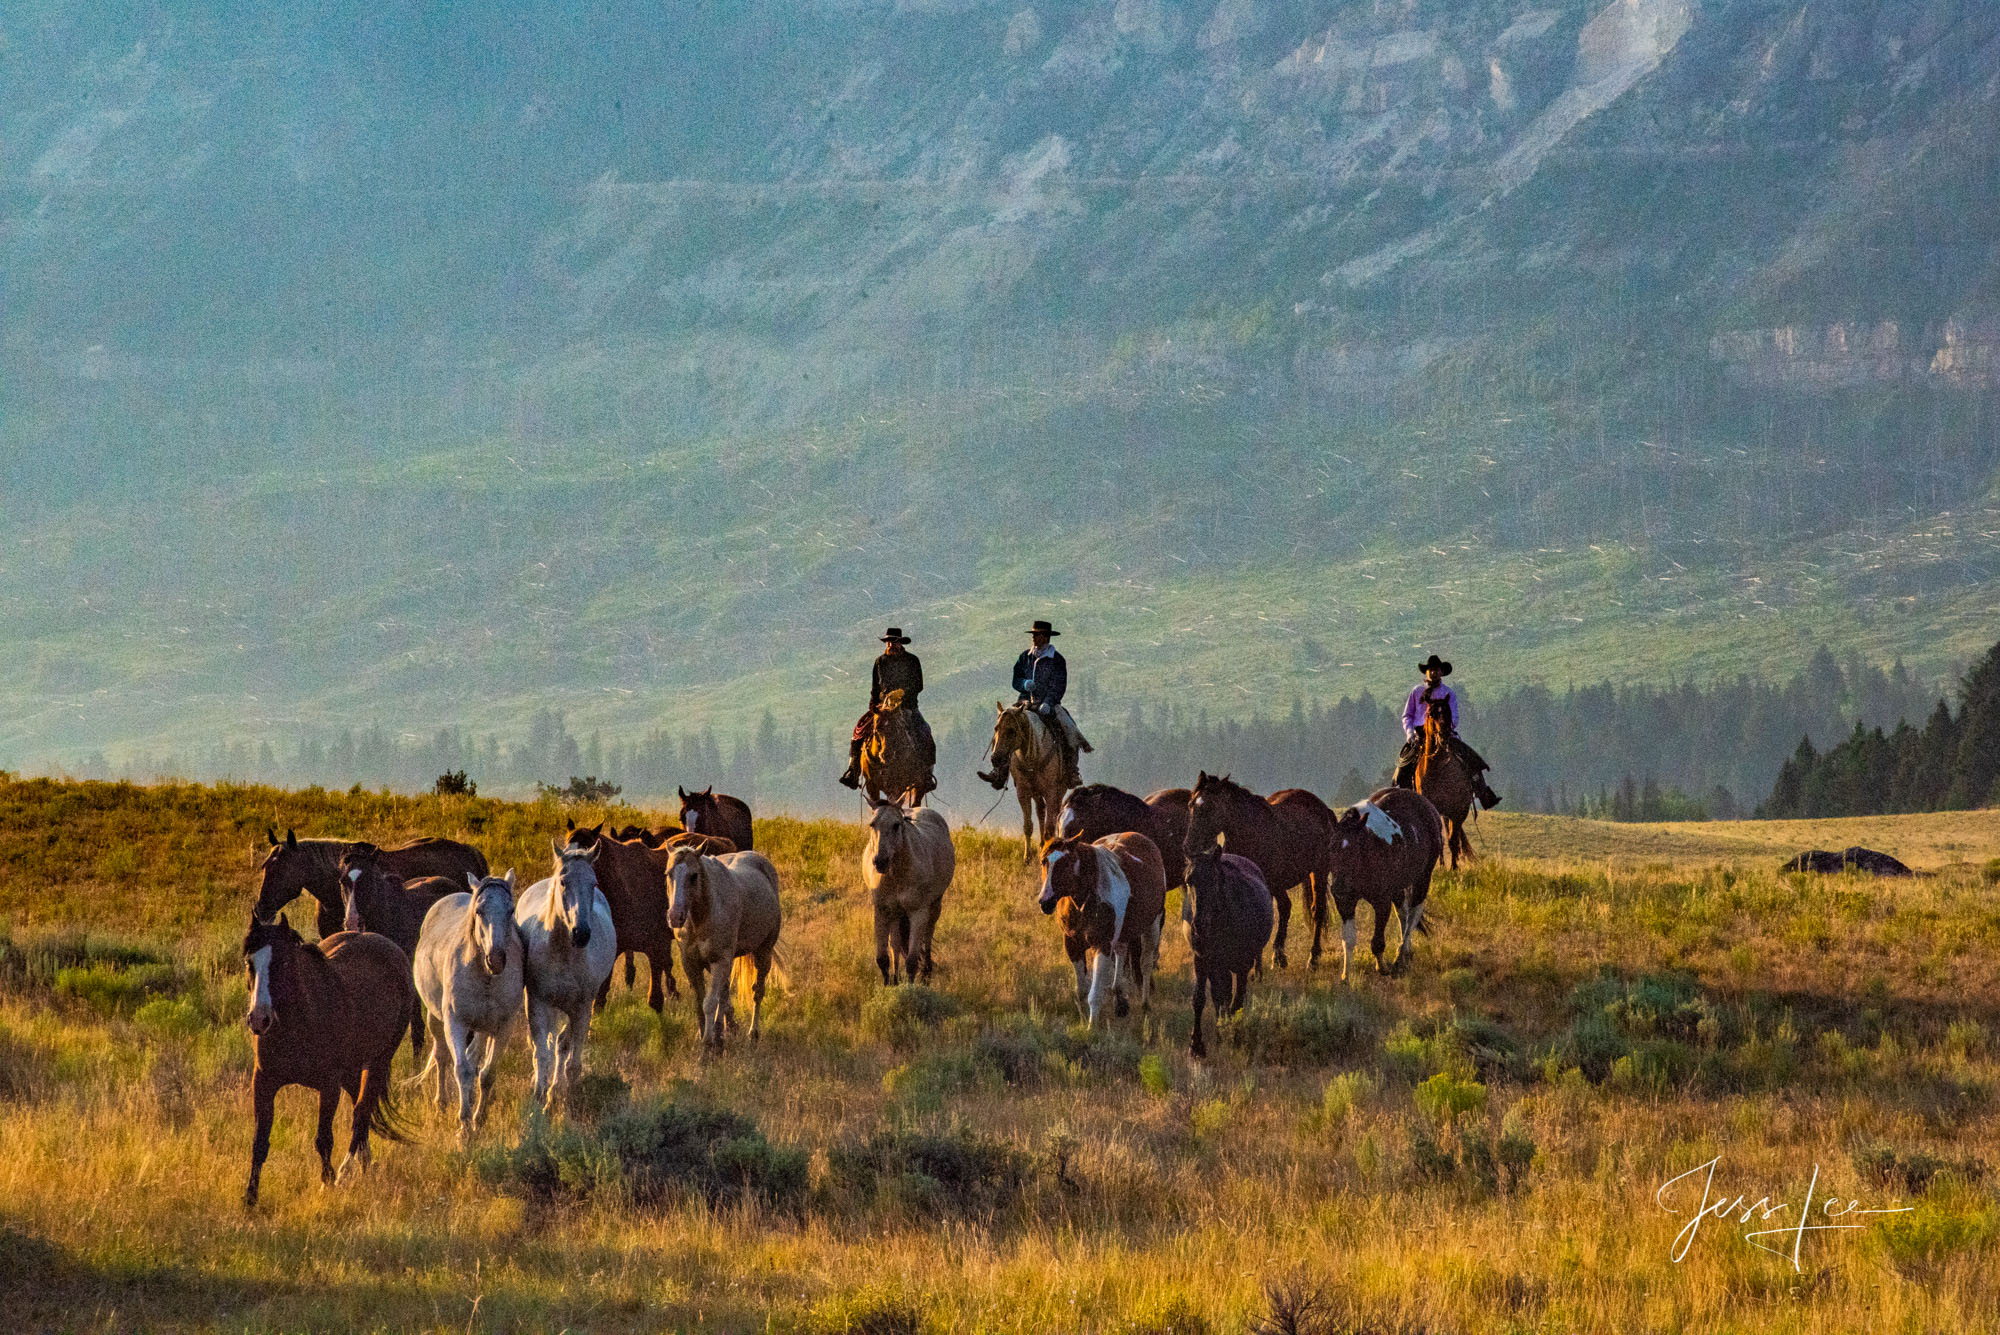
(632, 877)
(710, 812)
(1227, 913)
(1285, 834)
(1112, 893)
(1384, 851)
(312, 866)
(1098, 809)
(892, 761)
(906, 869)
(330, 1017)
(1025, 746)
(389, 906)
(1443, 778)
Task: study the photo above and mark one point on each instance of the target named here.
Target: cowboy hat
(1443, 668)
(1042, 628)
(894, 635)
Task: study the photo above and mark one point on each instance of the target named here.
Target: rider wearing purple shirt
(1434, 691)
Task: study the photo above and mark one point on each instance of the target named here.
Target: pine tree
(1976, 767)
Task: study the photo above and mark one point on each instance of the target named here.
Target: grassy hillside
(1474, 1147)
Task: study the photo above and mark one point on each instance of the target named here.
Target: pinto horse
(710, 812)
(1443, 778)
(1098, 809)
(312, 866)
(1026, 746)
(1384, 850)
(1285, 834)
(1112, 897)
(892, 760)
(330, 1017)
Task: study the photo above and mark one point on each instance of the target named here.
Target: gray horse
(570, 947)
(469, 970)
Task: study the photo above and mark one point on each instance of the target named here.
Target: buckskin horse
(1285, 834)
(330, 1017)
(1025, 744)
(1443, 778)
(906, 869)
(1384, 851)
(892, 761)
(727, 914)
(312, 866)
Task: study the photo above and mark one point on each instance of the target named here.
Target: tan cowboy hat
(894, 635)
(1043, 628)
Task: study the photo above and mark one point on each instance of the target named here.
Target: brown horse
(1112, 897)
(1285, 834)
(390, 906)
(633, 880)
(1098, 809)
(1227, 913)
(1384, 851)
(1025, 746)
(329, 1017)
(710, 812)
(653, 838)
(1443, 778)
(312, 866)
(892, 761)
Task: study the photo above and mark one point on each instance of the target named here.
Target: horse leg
(1080, 960)
(1316, 905)
(263, 1100)
(329, 1103)
(1381, 938)
(576, 1036)
(763, 958)
(902, 946)
(1413, 918)
(541, 1038)
(489, 1067)
(374, 1084)
(440, 1057)
(719, 1009)
(1103, 981)
(465, 1067)
(1284, 898)
(1197, 1049)
(656, 999)
(1239, 991)
(1347, 934)
(884, 961)
(663, 972)
(923, 925)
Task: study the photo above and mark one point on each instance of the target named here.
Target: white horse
(906, 867)
(469, 974)
(569, 947)
(725, 912)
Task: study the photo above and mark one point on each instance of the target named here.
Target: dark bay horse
(312, 866)
(1285, 834)
(390, 906)
(710, 812)
(1098, 809)
(633, 880)
(330, 1017)
(892, 761)
(1026, 749)
(1384, 851)
(1227, 912)
(1443, 778)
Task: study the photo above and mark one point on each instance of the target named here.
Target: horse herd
(422, 939)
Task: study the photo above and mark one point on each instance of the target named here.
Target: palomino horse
(892, 761)
(710, 812)
(329, 1017)
(632, 878)
(1024, 743)
(389, 906)
(726, 913)
(1285, 834)
(312, 866)
(1098, 809)
(906, 867)
(1227, 913)
(568, 947)
(1443, 778)
(1384, 851)
(470, 978)
(1112, 894)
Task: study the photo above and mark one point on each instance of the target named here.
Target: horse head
(888, 831)
(1081, 808)
(284, 870)
(1069, 871)
(574, 894)
(490, 925)
(696, 808)
(687, 875)
(1208, 810)
(267, 955)
(362, 883)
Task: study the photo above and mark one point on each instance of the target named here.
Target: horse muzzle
(352, 923)
(581, 935)
(1048, 903)
(677, 917)
(259, 1019)
(496, 962)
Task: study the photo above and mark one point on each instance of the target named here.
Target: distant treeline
(1617, 752)
(1951, 763)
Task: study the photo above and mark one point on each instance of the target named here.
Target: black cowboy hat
(894, 635)
(1043, 628)
(1443, 668)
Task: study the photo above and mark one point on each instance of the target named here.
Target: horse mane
(1229, 786)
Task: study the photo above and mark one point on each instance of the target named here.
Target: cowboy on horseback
(896, 669)
(1433, 693)
(1040, 678)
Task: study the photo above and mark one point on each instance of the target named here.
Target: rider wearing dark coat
(1433, 691)
(896, 669)
(1040, 679)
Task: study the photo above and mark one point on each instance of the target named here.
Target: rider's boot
(998, 778)
(852, 778)
(1484, 792)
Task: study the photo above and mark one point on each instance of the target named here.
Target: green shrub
(170, 1018)
(903, 1016)
(627, 1023)
(1155, 1076)
(1170, 1313)
(1343, 1094)
(923, 1084)
(1655, 1067)
(1912, 1172)
(599, 1094)
(1460, 983)
(1615, 1018)
(648, 1153)
(1516, 1148)
(877, 1309)
(110, 989)
(919, 1173)
(1443, 1098)
(1937, 1229)
(1318, 1029)
(1209, 1118)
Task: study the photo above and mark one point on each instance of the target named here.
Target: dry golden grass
(1782, 1023)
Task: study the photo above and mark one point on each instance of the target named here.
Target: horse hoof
(250, 1198)
(1122, 1008)
(1278, 958)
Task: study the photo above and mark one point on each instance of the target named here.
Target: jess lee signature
(1762, 1210)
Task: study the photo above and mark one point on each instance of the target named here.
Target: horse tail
(743, 975)
(386, 1119)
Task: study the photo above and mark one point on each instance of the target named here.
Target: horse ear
(472, 880)
(598, 829)
(555, 846)
(271, 833)
(291, 839)
(708, 791)
(999, 708)
(568, 824)
(509, 878)
(590, 854)
(1222, 841)
(682, 791)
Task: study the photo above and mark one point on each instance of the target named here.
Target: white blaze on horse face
(1380, 823)
(677, 905)
(1048, 899)
(261, 1011)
